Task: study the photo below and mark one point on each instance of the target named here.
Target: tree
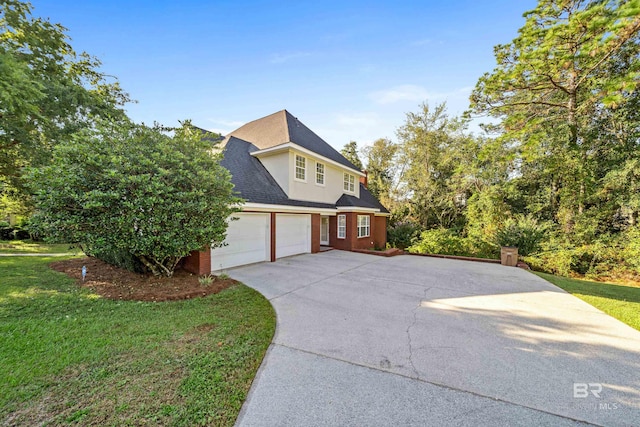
(432, 147)
(382, 169)
(350, 152)
(134, 192)
(572, 60)
(47, 91)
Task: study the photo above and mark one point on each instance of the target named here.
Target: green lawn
(69, 356)
(621, 302)
(28, 246)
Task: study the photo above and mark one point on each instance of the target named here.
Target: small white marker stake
(84, 272)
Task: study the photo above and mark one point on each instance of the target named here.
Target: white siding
(333, 184)
(282, 167)
(278, 166)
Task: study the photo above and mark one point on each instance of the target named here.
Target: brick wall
(199, 262)
(380, 232)
(361, 242)
(352, 241)
(333, 235)
(315, 233)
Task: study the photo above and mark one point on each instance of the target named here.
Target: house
(300, 194)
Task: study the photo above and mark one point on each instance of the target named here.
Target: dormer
(302, 163)
(306, 175)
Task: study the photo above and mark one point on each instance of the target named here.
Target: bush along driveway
(365, 340)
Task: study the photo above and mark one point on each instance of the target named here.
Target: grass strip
(70, 356)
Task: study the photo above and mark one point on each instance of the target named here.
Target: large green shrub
(485, 214)
(440, 241)
(134, 195)
(608, 257)
(631, 249)
(402, 234)
(524, 232)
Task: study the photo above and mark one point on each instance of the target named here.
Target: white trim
(263, 207)
(348, 182)
(360, 209)
(367, 226)
(295, 167)
(293, 146)
(338, 226)
(324, 219)
(324, 174)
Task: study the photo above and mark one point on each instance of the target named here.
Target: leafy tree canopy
(559, 67)
(47, 90)
(382, 169)
(432, 150)
(350, 152)
(566, 94)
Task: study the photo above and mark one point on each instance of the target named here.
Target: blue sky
(348, 70)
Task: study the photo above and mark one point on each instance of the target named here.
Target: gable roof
(282, 127)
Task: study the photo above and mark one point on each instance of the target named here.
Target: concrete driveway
(371, 341)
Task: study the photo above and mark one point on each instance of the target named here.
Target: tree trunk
(157, 268)
(571, 111)
(581, 198)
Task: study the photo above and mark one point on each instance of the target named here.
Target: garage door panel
(293, 235)
(247, 242)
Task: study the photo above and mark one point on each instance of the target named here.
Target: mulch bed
(116, 283)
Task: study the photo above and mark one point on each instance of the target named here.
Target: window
(349, 183)
(363, 225)
(319, 173)
(301, 168)
(342, 226)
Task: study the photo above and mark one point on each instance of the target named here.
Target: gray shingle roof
(212, 137)
(282, 127)
(256, 185)
(366, 200)
(252, 181)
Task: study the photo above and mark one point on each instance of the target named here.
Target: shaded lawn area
(621, 302)
(29, 246)
(70, 356)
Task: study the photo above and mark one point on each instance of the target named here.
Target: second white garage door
(293, 234)
(248, 241)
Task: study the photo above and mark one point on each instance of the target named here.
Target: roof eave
(357, 209)
(265, 207)
(293, 146)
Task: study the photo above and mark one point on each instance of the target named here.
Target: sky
(349, 70)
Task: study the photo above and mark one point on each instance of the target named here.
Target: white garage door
(248, 242)
(293, 235)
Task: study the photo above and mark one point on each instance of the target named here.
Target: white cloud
(366, 119)
(227, 123)
(361, 126)
(399, 93)
(223, 127)
(280, 58)
(416, 93)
